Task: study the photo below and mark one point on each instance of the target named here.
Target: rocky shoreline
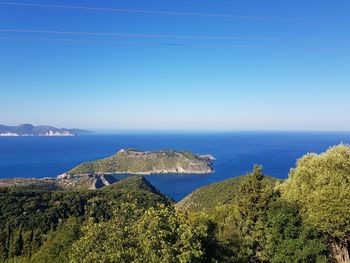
(137, 162)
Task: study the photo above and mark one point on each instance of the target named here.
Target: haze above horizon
(176, 65)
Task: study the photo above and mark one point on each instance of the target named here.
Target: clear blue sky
(292, 72)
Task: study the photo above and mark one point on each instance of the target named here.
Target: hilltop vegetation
(79, 182)
(138, 162)
(27, 216)
(30, 184)
(255, 224)
(303, 219)
(252, 218)
(222, 193)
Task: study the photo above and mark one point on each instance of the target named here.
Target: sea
(235, 153)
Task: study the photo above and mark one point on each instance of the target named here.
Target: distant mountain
(31, 130)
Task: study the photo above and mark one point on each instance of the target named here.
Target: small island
(133, 161)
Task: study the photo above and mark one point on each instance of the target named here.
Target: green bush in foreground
(137, 235)
(321, 185)
(289, 239)
(58, 244)
(260, 227)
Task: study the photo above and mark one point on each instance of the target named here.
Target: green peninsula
(133, 161)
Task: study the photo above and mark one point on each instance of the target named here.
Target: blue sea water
(236, 153)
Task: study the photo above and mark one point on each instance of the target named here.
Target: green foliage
(223, 193)
(321, 185)
(57, 245)
(137, 235)
(26, 217)
(289, 239)
(240, 223)
(31, 184)
(246, 219)
(16, 243)
(257, 226)
(252, 210)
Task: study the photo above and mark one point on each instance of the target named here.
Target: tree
(135, 234)
(320, 184)
(289, 240)
(109, 241)
(251, 208)
(16, 244)
(57, 246)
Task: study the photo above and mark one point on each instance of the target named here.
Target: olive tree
(320, 184)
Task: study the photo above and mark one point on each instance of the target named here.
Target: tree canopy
(320, 183)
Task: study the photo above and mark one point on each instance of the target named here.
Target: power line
(137, 43)
(185, 45)
(152, 35)
(143, 11)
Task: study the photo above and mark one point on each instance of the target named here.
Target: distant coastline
(43, 130)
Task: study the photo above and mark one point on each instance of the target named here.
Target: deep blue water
(236, 153)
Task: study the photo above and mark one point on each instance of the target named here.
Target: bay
(235, 153)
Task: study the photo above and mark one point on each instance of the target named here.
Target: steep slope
(35, 214)
(90, 182)
(139, 186)
(225, 192)
(135, 185)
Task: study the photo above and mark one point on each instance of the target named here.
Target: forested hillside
(31, 218)
(253, 218)
(222, 193)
